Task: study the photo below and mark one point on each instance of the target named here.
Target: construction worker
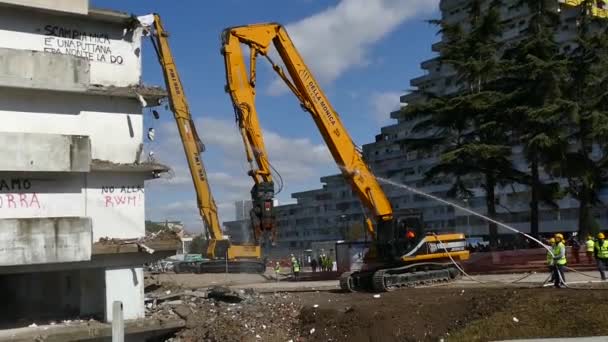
(277, 270)
(589, 248)
(295, 267)
(313, 265)
(328, 264)
(559, 261)
(323, 263)
(576, 248)
(601, 254)
(550, 257)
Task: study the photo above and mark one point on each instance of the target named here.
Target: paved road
(495, 280)
(265, 283)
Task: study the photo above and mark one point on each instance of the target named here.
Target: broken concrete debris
(221, 314)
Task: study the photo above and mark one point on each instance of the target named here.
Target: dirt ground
(466, 313)
(452, 314)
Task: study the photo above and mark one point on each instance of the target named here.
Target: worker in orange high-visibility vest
(601, 254)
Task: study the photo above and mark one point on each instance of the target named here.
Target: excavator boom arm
(187, 131)
(259, 38)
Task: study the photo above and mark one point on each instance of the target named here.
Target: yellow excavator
(597, 8)
(221, 252)
(402, 254)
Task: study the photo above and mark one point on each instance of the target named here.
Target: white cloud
(341, 37)
(295, 158)
(298, 160)
(383, 103)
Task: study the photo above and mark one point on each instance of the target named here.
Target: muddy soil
(428, 314)
(472, 314)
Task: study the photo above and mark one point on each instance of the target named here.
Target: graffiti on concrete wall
(94, 46)
(12, 198)
(122, 196)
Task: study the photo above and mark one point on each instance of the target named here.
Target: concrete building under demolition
(72, 195)
(334, 212)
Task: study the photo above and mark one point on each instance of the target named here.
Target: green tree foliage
(588, 91)
(535, 75)
(469, 126)
(198, 245)
(153, 227)
(549, 97)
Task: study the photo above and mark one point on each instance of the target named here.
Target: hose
(544, 284)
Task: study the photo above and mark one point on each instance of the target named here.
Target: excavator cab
(398, 236)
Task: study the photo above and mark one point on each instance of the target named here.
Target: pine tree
(584, 169)
(535, 78)
(470, 125)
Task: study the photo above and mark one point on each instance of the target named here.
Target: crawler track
(383, 280)
(219, 266)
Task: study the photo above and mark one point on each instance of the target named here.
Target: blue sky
(364, 52)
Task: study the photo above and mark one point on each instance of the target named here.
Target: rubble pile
(221, 314)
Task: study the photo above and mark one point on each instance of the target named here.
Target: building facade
(72, 176)
(390, 158)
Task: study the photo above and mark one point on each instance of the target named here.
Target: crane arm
(241, 87)
(191, 142)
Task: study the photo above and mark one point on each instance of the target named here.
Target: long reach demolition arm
(394, 255)
(219, 245)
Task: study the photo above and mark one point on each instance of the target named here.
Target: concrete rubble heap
(224, 314)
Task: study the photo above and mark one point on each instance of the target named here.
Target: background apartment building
(326, 213)
(72, 173)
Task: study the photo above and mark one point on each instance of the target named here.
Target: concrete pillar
(127, 286)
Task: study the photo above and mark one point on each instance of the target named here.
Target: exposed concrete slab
(40, 70)
(114, 16)
(152, 95)
(68, 6)
(107, 166)
(91, 331)
(44, 152)
(96, 262)
(29, 69)
(45, 240)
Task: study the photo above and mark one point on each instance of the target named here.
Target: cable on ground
(544, 283)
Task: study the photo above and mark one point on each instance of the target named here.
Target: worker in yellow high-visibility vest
(589, 248)
(601, 254)
(559, 261)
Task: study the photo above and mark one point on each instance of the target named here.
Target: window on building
(342, 206)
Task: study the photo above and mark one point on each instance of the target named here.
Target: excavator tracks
(220, 266)
(384, 280)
